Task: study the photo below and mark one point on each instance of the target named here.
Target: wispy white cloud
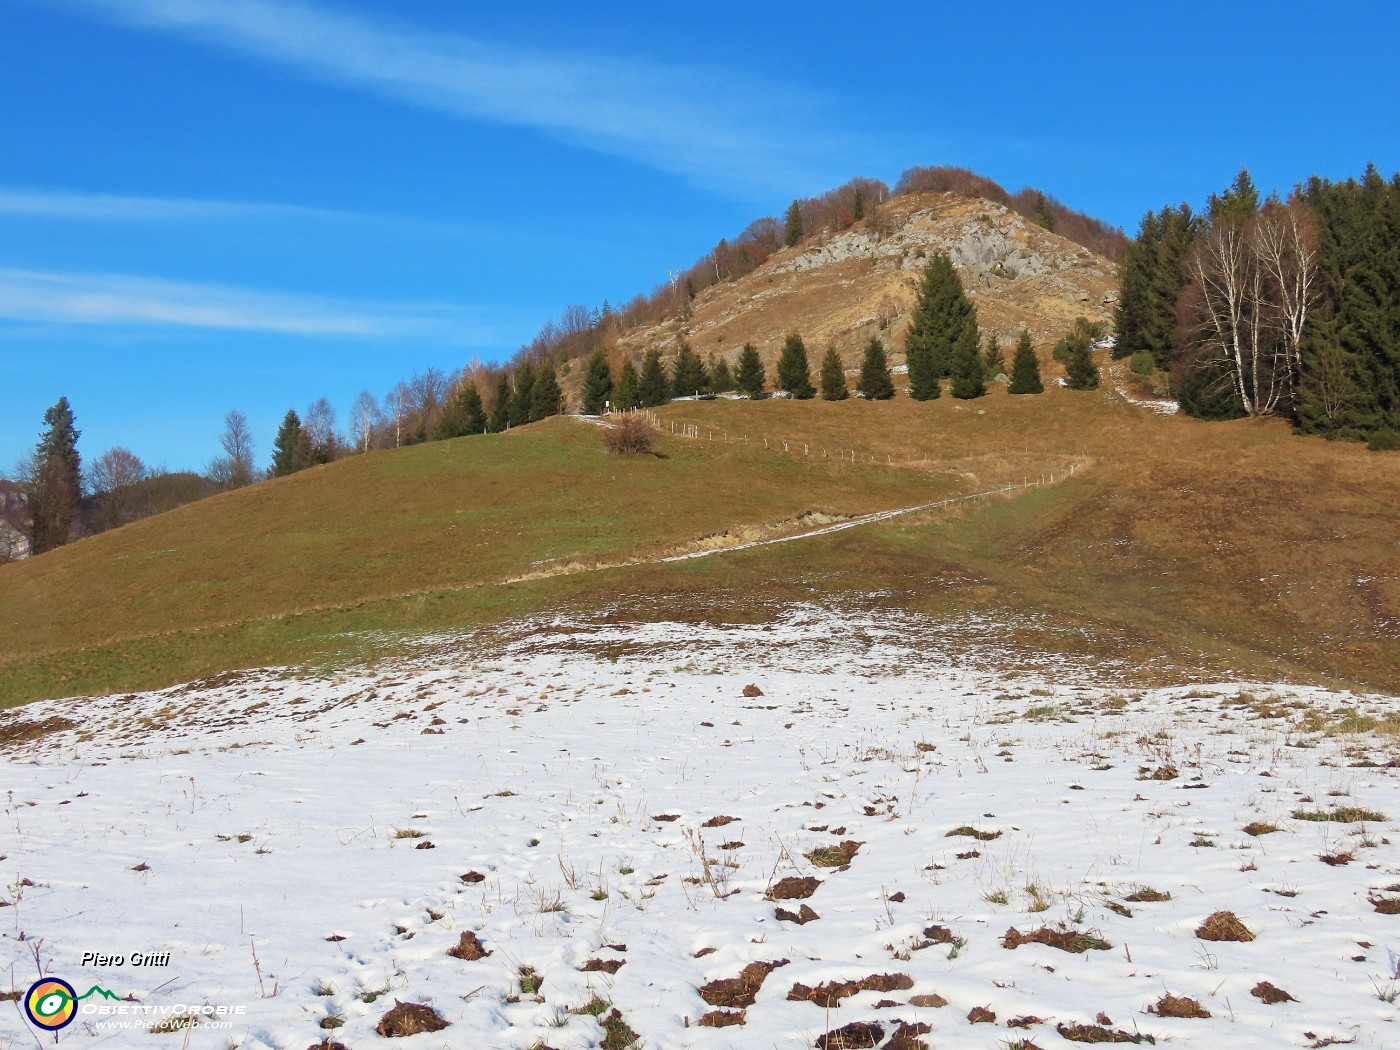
(61, 205)
(120, 300)
(718, 128)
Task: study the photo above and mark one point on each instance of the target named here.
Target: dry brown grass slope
(1183, 547)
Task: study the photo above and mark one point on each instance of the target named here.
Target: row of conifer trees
(942, 342)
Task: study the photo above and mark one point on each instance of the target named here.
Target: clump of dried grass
(1178, 1006)
(1223, 926)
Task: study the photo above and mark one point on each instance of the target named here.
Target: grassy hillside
(1180, 547)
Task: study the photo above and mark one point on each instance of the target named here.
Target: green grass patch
(1339, 815)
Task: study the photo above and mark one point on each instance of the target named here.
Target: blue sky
(214, 204)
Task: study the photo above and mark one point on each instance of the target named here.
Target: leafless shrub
(631, 435)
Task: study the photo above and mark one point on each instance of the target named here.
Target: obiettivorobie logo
(52, 1003)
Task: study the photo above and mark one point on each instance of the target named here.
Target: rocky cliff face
(840, 288)
(14, 522)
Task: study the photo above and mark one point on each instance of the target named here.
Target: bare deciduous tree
(421, 403)
(234, 469)
(364, 418)
(1285, 241)
(112, 477)
(1252, 283)
(319, 427)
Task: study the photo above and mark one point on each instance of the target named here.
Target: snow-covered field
(609, 814)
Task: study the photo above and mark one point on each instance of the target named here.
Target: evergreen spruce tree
(794, 373)
(463, 415)
(750, 376)
(793, 230)
(1025, 368)
(969, 376)
(942, 313)
(876, 383)
(1180, 230)
(522, 396)
(597, 384)
(688, 376)
(1043, 214)
(55, 489)
(500, 406)
(1239, 203)
(721, 378)
(1080, 371)
(833, 377)
(625, 394)
(291, 451)
(1151, 277)
(1349, 382)
(653, 386)
(1135, 275)
(858, 205)
(993, 359)
(546, 399)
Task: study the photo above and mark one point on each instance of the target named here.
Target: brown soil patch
(1075, 941)
(1092, 1033)
(931, 1000)
(471, 878)
(468, 947)
(969, 831)
(906, 1036)
(739, 991)
(834, 856)
(851, 1036)
(14, 730)
(832, 992)
(721, 1018)
(1148, 896)
(328, 1044)
(1160, 773)
(802, 916)
(1178, 1006)
(793, 888)
(981, 1015)
(1271, 993)
(1223, 926)
(409, 1019)
(603, 965)
(752, 690)
(718, 822)
(665, 818)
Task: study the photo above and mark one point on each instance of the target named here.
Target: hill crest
(841, 287)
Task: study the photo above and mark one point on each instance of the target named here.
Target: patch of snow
(270, 829)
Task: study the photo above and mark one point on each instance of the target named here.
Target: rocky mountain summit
(840, 288)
